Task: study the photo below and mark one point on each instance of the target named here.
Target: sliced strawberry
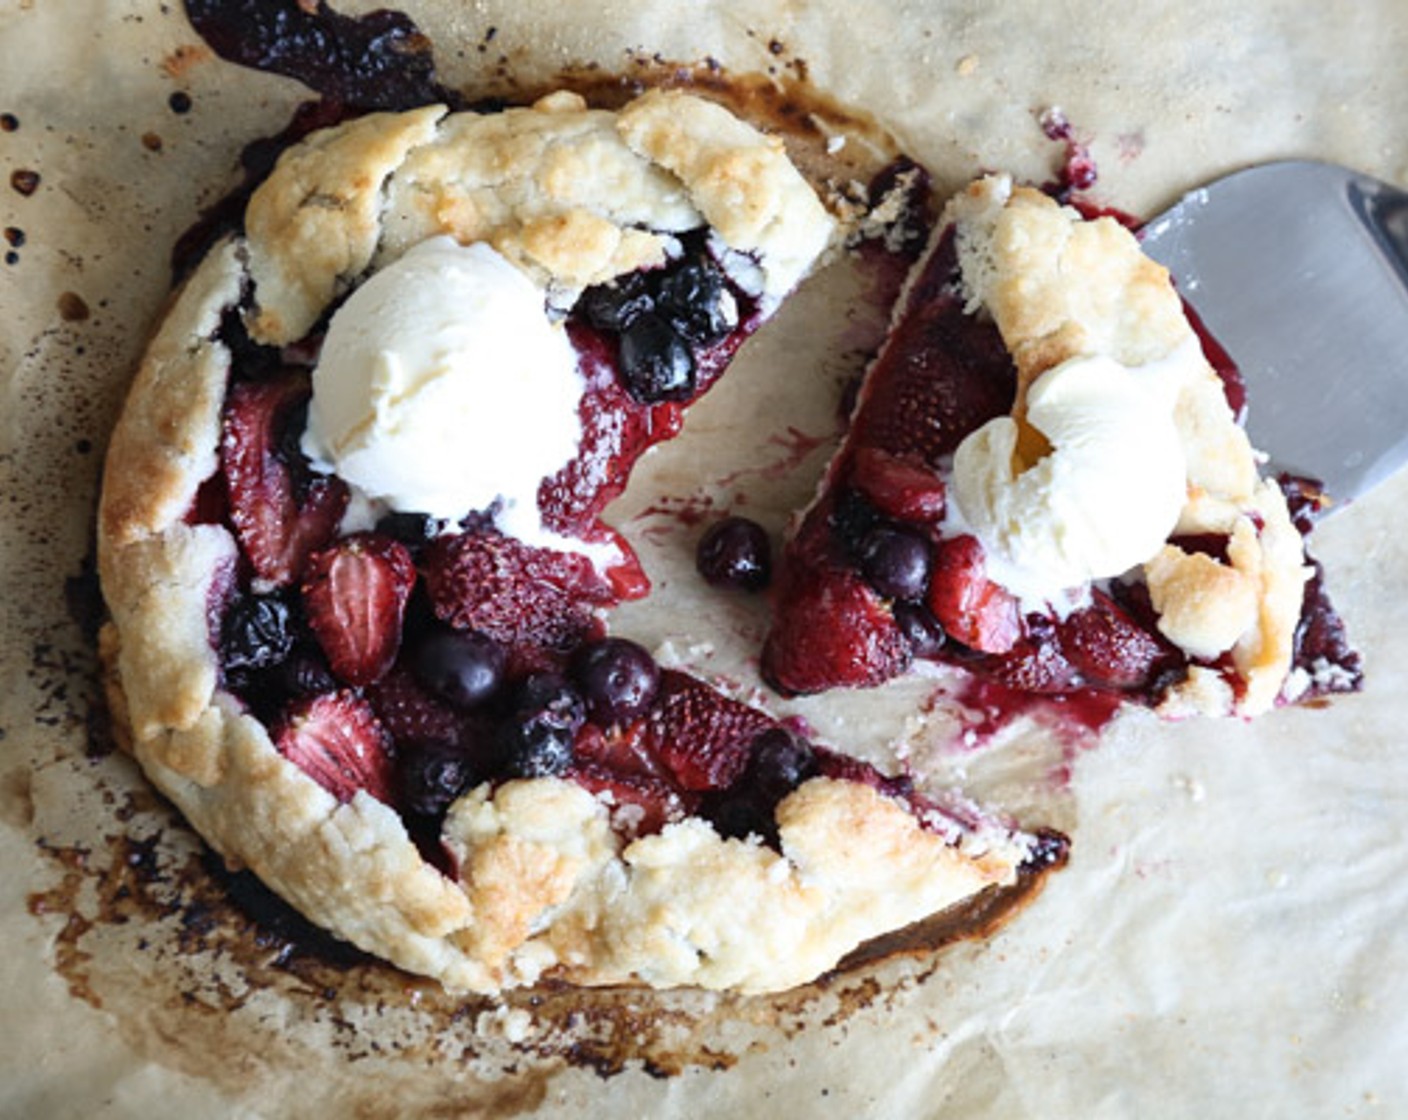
(410, 713)
(516, 594)
(970, 607)
(336, 740)
(621, 750)
(354, 595)
(899, 486)
(830, 630)
(940, 375)
(701, 737)
(1033, 665)
(280, 507)
(641, 805)
(1109, 648)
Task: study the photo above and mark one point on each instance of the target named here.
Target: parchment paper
(1228, 938)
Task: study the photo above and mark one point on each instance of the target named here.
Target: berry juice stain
(1078, 173)
(378, 61)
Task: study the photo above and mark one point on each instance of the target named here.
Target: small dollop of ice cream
(443, 388)
(1101, 500)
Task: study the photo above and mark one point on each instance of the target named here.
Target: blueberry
(896, 562)
(615, 306)
(538, 734)
(851, 518)
(305, 673)
(431, 776)
(463, 667)
(255, 633)
(618, 679)
(412, 529)
(921, 629)
(735, 553)
(695, 299)
(537, 750)
(737, 814)
(655, 361)
(549, 698)
(780, 762)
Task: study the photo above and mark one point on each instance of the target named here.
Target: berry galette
(351, 544)
(1044, 483)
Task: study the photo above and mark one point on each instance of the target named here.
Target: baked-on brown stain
(24, 181)
(190, 957)
(183, 59)
(192, 919)
(73, 308)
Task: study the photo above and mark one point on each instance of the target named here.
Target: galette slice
(1043, 482)
(357, 576)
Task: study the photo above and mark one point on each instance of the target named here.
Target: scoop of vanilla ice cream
(442, 388)
(1103, 499)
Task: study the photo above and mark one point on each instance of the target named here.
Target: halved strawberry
(622, 750)
(1033, 665)
(972, 608)
(899, 486)
(1108, 647)
(410, 713)
(701, 737)
(518, 595)
(830, 629)
(354, 595)
(940, 375)
(336, 740)
(641, 805)
(280, 507)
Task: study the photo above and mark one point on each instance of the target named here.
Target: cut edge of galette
(1044, 483)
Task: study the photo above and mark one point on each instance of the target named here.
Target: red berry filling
(280, 508)
(534, 601)
(869, 581)
(416, 663)
(336, 740)
(354, 598)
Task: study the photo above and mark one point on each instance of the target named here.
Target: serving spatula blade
(1300, 271)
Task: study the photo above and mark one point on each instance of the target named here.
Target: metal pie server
(1300, 271)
